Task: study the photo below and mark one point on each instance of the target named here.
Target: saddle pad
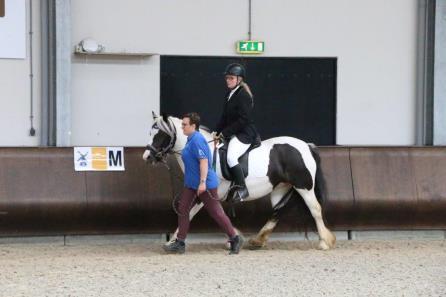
(243, 160)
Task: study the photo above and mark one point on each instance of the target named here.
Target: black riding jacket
(237, 117)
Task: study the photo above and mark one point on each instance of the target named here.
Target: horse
(280, 166)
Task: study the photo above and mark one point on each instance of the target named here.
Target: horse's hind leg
(193, 211)
(278, 201)
(327, 238)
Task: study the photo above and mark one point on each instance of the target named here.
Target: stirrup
(236, 194)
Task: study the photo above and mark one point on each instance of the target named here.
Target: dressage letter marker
(250, 47)
(98, 159)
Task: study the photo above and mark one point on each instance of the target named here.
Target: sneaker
(236, 244)
(175, 247)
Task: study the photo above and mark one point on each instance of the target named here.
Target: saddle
(243, 160)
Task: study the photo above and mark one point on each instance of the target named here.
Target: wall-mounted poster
(13, 29)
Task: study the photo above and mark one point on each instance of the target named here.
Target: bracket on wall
(117, 54)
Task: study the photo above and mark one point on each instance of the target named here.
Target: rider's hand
(201, 188)
(216, 138)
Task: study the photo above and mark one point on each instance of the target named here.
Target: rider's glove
(217, 136)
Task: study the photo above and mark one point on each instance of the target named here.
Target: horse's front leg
(193, 211)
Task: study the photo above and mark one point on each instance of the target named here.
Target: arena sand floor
(353, 268)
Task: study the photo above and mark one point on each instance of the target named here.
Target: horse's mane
(169, 129)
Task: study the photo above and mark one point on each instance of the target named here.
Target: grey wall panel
(429, 167)
(339, 204)
(384, 186)
(40, 192)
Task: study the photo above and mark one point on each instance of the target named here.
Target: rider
(236, 124)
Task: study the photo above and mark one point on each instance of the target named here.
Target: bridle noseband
(162, 153)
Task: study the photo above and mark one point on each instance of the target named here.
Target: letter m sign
(116, 158)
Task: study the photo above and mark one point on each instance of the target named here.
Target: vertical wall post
(440, 74)
(56, 73)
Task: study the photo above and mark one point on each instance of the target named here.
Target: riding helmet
(235, 69)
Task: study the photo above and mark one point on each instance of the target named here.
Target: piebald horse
(279, 166)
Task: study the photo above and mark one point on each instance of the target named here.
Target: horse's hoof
(255, 244)
(332, 240)
(329, 240)
(323, 246)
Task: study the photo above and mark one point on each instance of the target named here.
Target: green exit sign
(250, 47)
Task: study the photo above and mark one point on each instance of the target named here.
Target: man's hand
(201, 188)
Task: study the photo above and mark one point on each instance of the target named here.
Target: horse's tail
(320, 188)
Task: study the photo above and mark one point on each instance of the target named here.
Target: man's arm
(203, 176)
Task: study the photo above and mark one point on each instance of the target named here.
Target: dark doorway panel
(293, 96)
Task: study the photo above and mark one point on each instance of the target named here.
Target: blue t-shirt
(197, 148)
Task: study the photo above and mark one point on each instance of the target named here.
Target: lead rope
(175, 200)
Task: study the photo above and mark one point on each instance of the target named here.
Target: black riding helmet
(235, 69)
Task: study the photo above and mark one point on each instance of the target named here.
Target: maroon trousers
(213, 207)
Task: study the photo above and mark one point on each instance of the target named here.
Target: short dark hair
(194, 118)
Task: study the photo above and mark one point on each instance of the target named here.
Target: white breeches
(236, 148)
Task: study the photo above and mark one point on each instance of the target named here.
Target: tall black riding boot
(240, 192)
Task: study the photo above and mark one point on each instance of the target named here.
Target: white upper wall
(374, 40)
(15, 90)
(127, 90)
(112, 99)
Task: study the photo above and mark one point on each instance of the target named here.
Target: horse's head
(162, 139)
